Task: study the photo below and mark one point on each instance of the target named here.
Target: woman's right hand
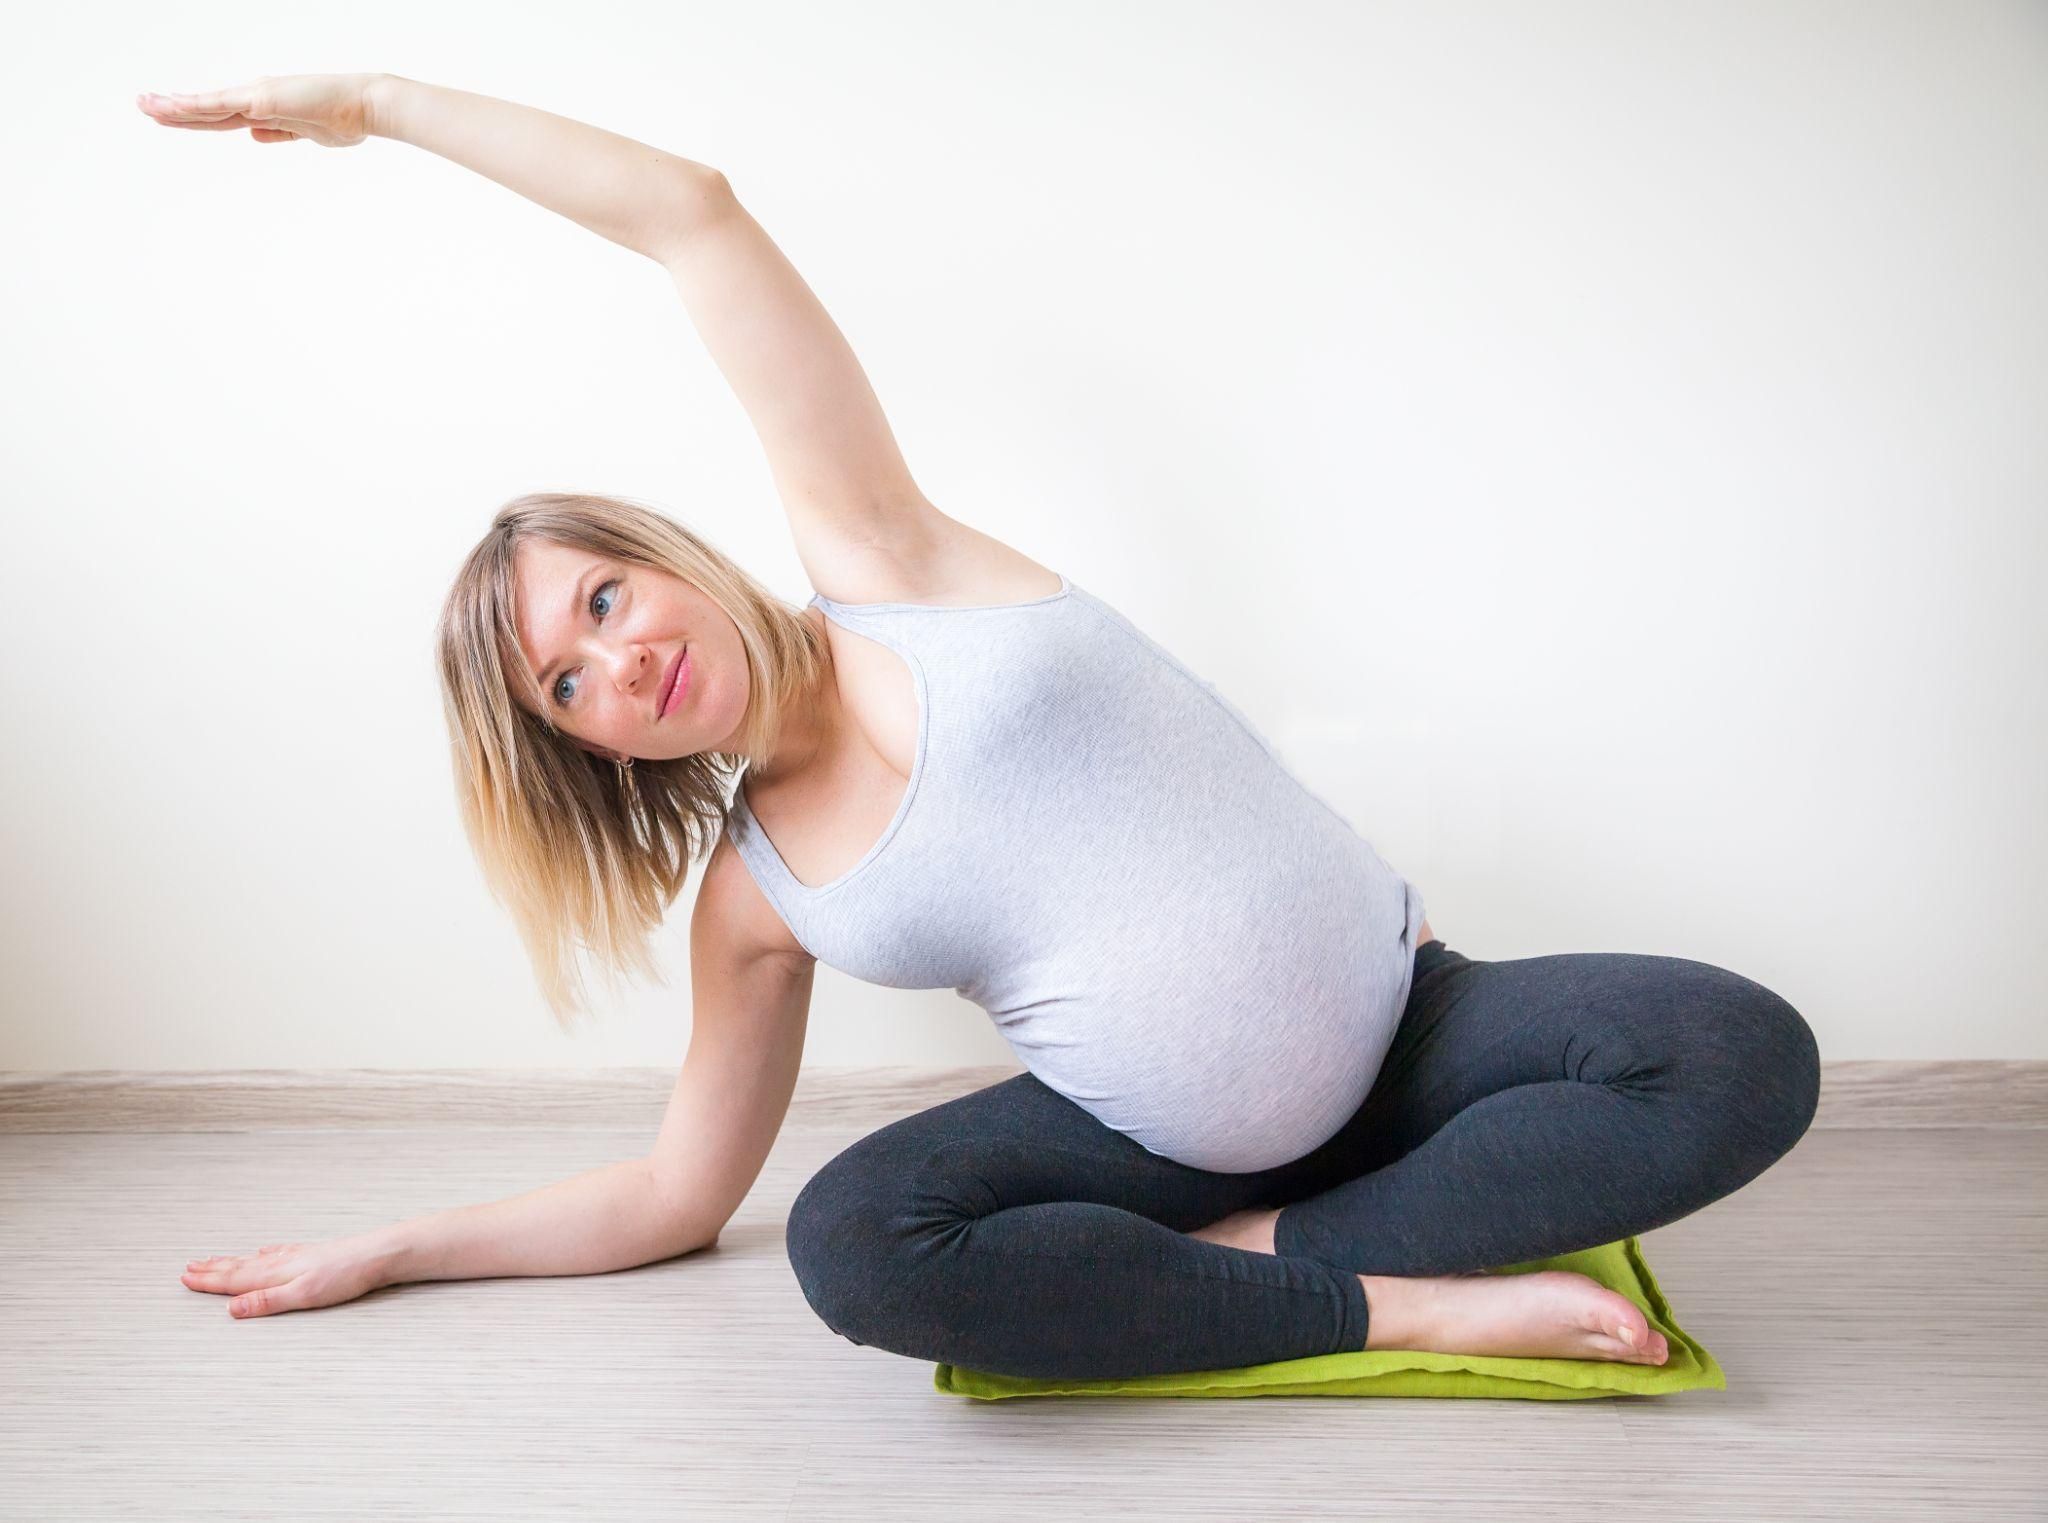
(330, 109)
(295, 1276)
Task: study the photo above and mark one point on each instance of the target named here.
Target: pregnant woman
(1267, 1114)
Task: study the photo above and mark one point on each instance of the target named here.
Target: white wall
(1601, 445)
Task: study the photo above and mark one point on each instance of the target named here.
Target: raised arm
(863, 529)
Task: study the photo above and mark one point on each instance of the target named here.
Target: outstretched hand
(330, 109)
(294, 1276)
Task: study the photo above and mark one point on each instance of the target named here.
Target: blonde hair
(586, 853)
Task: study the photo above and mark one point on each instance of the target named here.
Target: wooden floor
(1876, 1300)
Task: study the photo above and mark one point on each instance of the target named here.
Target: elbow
(707, 187)
(687, 1221)
(701, 198)
(683, 1238)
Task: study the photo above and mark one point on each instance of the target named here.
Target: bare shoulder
(918, 554)
(733, 920)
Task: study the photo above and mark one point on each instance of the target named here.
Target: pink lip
(678, 679)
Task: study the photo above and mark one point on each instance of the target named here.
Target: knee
(1758, 1063)
(835, 1247)
(876, 1236)
(869, 1243)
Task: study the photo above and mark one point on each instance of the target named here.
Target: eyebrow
(576, 608)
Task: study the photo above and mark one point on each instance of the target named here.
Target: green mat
(1403, 1372)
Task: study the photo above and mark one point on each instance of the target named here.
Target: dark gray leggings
(1526, 1108)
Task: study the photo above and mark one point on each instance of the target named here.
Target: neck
(810, 724)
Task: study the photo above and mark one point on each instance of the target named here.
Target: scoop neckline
(895, 821)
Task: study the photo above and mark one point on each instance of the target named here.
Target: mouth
(674, 683)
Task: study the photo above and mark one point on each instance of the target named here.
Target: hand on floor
(292, 1276)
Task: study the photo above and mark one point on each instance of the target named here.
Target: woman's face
(602, 637)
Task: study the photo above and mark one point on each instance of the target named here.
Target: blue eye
(560, 701)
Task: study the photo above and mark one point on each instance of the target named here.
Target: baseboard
(1995, 1093)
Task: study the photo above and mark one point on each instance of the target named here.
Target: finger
(230, 124)
(169, 110)
(238, 1275)
(223, 1259)
(212, 102)
(264, 1301)
(172, 112)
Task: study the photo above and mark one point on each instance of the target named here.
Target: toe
(1649, 1351)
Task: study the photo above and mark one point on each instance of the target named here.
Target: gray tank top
(1098, 849)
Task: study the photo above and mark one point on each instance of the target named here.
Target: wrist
(389, 1251)
(380, 104)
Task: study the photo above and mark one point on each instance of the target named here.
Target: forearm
(637, 196)
(612, 1217)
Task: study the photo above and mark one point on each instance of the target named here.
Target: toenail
(1628, 1335)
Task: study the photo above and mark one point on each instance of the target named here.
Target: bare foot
(1546, 1314)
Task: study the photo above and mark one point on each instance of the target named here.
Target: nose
(629, 664)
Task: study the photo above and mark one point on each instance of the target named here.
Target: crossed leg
(1525, 1108)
